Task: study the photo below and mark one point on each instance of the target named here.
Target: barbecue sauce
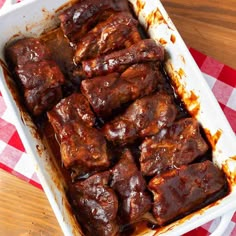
(57, 44)
(62, 52)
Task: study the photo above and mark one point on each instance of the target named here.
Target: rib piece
(129, 184)
(109, 92)
(82, 16)
(181, 191)
(118, 31)
(145, 117)
(39, 77)
(82, 147)
(41, 84)
(96, 204)
(73, 107)
(26, 50)
(142, 51)
(180, 145)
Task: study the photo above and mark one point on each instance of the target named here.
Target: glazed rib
(41, 84)
(129, 184)
(143, 51)
(144, 117)
(117, 32)
(180, 191)
(82, 147)
(26, 50)
(82, 16)
(181, 144)
(38, 76)
(73, 107)
(96, 204)
(107, 93)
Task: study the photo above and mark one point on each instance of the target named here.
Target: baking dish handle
(224, 222)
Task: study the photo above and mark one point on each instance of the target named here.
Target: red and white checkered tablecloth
(220, 78)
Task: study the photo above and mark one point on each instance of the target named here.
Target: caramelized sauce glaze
(145, 225)
(62, 53)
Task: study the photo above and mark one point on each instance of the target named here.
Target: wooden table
(208, 26)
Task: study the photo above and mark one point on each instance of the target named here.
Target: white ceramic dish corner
(31, 17)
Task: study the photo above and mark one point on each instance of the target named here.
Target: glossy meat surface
(115, 127)
(96, 204)
(180, 145)
(144, 117)
(129, 184)
(82, 147)
(85, 14)
(37, 75)
(26, 50)
(143, 51)
(73, 107)
(117, 32)
(41, 84)
(106, 93)
(182, 190)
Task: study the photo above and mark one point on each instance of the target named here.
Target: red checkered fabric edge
(222, 81)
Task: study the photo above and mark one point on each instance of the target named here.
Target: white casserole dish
(31, 17)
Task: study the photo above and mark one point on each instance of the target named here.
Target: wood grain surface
(24, 209)
(206, 25)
